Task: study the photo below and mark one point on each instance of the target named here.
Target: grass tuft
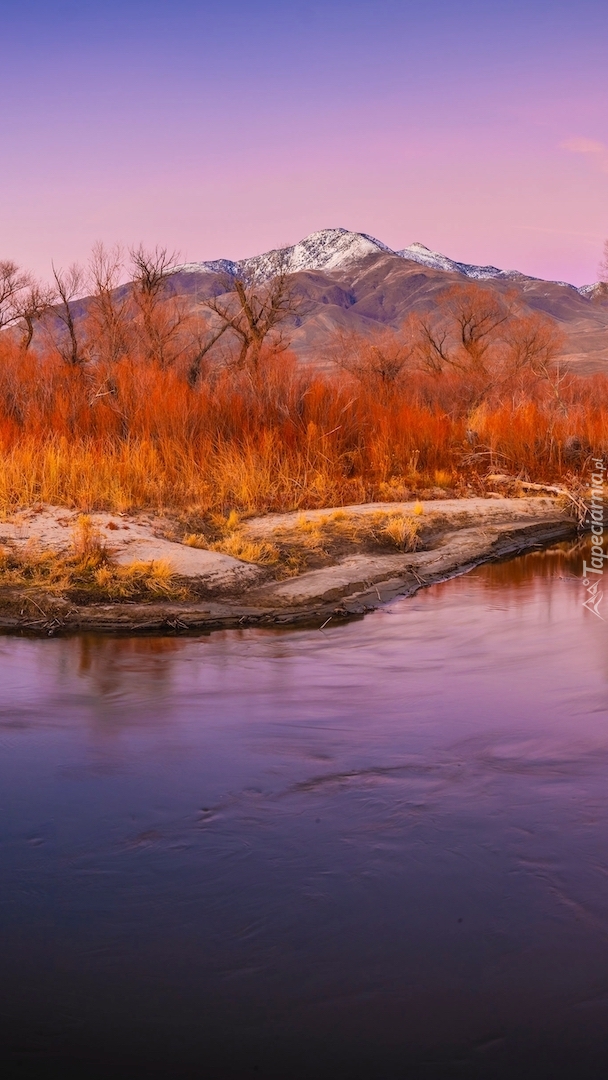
(87, 574)
(252, 551)
(403, 532)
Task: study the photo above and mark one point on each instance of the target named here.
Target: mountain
(330, 249)
(353, 281)
(333, 249)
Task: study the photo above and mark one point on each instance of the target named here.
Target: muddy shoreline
(348, 589)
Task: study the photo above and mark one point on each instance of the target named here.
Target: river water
(377, 850)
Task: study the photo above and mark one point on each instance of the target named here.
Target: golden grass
(403, 531)
(196, 540)
(295, 440)
(318, 540)
(87, 571)
(357, 529)
(443, 478)
(233, 541)
(253, 551)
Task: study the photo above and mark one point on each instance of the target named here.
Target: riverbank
(311, 568)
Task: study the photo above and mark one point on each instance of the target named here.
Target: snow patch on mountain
(216, 266)
(328, 249)
(421, 254)
(592, 292)
(333, 249)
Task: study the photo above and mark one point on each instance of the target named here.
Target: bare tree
(152, 268)
(496, 348)
(379, 359)
(13, 281)
(465, 334)
(254, 309)
(29, 307)
(69, 284)
(160, 316)
(534, 344)
(202, 344)
(108, 309)
(23, 300)
(463, 330)
(478, 314)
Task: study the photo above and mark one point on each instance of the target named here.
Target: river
(376, 850)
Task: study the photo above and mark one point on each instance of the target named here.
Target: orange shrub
(134, 434)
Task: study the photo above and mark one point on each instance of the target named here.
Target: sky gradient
(477, 128)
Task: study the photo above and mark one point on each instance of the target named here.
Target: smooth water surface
(377, 850)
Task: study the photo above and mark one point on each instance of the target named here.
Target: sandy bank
(455, 535)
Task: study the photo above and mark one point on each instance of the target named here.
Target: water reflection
(382, 847)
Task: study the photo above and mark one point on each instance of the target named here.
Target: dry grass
(253, 551)
(87, 572)
(226, 535)
(443, 478)
(313, 542)
(238, 545)
(403, 531)
(139, 436)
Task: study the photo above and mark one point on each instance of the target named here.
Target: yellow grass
(87, 571)
(355, 530)
(253, 551)
(403, 531)
(238, 545)
(290, 440)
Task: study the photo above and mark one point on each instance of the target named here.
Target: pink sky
(484, 136)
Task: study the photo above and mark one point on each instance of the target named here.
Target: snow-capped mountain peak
(328, 249)
(421, 254)
(333, 249)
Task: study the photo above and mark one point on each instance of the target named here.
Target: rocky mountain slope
(353, 281)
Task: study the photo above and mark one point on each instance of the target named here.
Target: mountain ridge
(352, 282)
(336, 248)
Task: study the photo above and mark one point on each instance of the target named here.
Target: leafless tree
(13, 281)
(202, 344)
(533, 347)
(494, 346)
(69, 284)
(380, 358)
(23, 300)
(108, 309)
(254, 309)
(462, 331)
(160, 317)
(152, 269)
(29, 306)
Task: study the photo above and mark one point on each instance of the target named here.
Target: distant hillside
(354, 281)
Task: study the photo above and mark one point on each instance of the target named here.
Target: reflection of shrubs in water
(93, 649)
(109, 666)
(559, 560)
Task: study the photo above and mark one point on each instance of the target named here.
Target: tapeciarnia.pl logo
(593, 572)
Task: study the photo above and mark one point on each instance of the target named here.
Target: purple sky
(477, 127)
